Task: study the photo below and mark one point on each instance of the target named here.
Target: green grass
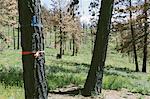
(119, 72)
(11, 92)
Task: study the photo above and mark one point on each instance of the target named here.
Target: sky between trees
(83, 7)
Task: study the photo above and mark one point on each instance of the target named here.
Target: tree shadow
(11, 76)
(61, 66)
(108, 67)
(124, 72)
(72, 91)
(70, 63)
(56, 69)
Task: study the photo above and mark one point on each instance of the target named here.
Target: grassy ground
(119, 72)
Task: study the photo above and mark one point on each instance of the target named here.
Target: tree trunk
(61, 38)
(94, 79)
(18, 37)
(145, 39)
(8, 29)
(92, 41)
(50, 37)
(45, 39)
(14, 38)
(73, 44)
(55, 37)
(8, 32)
(84, 34)
(32, 43)
(133, 38)
(70, 45)
(61, 44)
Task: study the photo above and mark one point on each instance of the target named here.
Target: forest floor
(106, 94)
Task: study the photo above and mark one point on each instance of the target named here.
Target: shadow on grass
(67, 91)
(70, 63)
(64, 66)
(119, 69)
(11, 76)
(56, 69)
(127, 70)
(116, 71)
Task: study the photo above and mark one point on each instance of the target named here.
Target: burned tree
(93, 82)
(32, 43)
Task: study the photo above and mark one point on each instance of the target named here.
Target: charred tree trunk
(61, 38)
(8, 33)
(84, 34)
(45, 39)
(92, 41)
(32, 43)
(55, 37)
(94, 79)
(50, 37)
(70, 44)
(145, 39)
(18, 42)
(8, 29)
(133, 40)
(14, 38)
(65, 45)
(73, 43)
(61, 44)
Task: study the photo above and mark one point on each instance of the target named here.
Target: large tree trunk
(145, 39)
(32, 42)
(133, 40)
(95, 75)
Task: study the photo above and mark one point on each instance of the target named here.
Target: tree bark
(95, 75)
(145, 39)
(133, 38)
(32, 43)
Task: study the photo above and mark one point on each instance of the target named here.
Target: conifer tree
(32, 43)
(94, 79)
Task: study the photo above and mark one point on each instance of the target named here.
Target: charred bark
(145, 39)
(32, 40)
(94, 79)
